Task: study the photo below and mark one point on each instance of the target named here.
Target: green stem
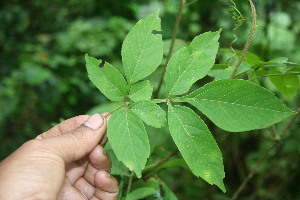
(175, 30)
(108, 114)
(160, 162)
(104, 139)
(176, 99)
(249, 40)
(160, 100)
(129, 183)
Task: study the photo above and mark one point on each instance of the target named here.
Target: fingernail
(95, 121)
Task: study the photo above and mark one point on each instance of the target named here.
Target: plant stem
(175, 30)
(160, 162)
(104, 139)
(250, 37)
(129, 183)
(190, 3)
(263, 158)
(108, 114)
(159, 100)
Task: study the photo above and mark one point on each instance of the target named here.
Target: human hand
(64, 163)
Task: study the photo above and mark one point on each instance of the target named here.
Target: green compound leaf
(107, 79)
(141, 91)
(150, 113)
(142, 51)
(128, 139)
(238, 105)
(191, 63)
(196, 144)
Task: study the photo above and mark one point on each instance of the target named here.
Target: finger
(106, 186)
(95, 198)
(76, 170)
(64, 127)
(98, 160)
(69, 192)
(76, 144)
(85, 188)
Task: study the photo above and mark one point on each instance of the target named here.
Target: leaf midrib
(142, 50)
(218, 101)
(130, 139)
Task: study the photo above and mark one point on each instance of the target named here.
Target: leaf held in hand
(128, 139)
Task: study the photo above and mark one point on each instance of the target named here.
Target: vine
(239, 21)
(249, 40)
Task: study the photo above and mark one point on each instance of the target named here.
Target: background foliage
(43, 79)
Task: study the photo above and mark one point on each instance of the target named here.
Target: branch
(175, 30)
(263, 158)
(249, 40)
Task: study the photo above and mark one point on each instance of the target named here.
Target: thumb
(75, 144)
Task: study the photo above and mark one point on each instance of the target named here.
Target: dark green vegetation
(43, 78)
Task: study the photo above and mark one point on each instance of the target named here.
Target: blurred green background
(43, 78)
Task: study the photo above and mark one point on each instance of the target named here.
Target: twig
(175, 30)
(250, 37)
(263, 158)
(159, 163)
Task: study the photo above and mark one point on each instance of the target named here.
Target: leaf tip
(86, 57)
(157, 12)
(138, 173)
(222, 187)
